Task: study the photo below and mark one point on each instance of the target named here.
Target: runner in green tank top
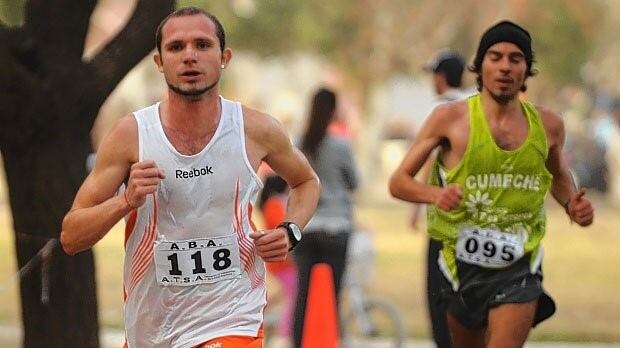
(502, 189)
(498, 158)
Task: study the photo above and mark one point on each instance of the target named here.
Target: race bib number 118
(196, 261)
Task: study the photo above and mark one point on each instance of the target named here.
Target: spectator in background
(447, 68)
(327, 235)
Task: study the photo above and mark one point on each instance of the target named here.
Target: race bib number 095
(196, 261)
(489, 248)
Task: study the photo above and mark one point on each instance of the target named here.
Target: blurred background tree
(12, 12)
(52, 88)
(373, 40)
(50, 95)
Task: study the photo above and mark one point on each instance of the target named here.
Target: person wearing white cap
(447, 67)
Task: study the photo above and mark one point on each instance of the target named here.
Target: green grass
(581, 267)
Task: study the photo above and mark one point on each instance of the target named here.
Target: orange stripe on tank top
(131, 224)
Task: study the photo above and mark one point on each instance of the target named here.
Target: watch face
(296, 231)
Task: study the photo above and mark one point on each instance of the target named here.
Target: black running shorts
(482, 289)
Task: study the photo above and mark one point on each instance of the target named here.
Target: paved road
(10, 337)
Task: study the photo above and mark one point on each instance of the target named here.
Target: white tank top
(191, 272)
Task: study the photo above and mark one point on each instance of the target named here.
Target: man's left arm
(563, 187)
(289, 163)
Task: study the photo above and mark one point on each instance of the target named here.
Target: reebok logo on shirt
(194, 172)
(213, 345)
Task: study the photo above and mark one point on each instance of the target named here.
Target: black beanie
(505, 31)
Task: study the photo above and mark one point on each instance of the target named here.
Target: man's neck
(192, 116)
(493, 108)
(441, 86)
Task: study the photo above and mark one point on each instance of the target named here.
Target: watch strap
(291, 235)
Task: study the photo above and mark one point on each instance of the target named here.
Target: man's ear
(158, 62)
(226, 57)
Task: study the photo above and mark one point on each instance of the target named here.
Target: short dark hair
(449, 63)
(192, 11)
(452, 69)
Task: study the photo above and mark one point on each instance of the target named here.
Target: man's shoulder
(552, 121)
(120, 145)
(253, 114)
(263, 129)
(125, 126)
(148, 108)
(257, 122)
(548, 114)
(124, 136)
(450, 111)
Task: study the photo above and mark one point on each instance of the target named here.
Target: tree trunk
(58, 294)
(49, 99)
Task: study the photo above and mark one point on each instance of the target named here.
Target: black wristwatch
(294, 233)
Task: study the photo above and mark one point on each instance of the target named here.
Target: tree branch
(121, 54)
(59, 27)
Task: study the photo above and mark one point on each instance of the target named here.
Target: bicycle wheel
(379, 323)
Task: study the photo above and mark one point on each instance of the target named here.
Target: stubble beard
(191, 95)
(503, 98)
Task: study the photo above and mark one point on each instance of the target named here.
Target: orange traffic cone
(321, 321)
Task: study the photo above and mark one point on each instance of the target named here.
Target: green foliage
(561, 40)
(12, 12)
(279, 26)
(396, 36)
(354, 34)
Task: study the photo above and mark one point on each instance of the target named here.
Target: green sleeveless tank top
(502, 189)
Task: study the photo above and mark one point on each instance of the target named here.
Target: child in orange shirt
(272, 204)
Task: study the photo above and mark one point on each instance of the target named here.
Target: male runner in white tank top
(194, 271)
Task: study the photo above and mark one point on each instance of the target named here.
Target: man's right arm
(402, 183)
(563, 189)
(97, 208)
